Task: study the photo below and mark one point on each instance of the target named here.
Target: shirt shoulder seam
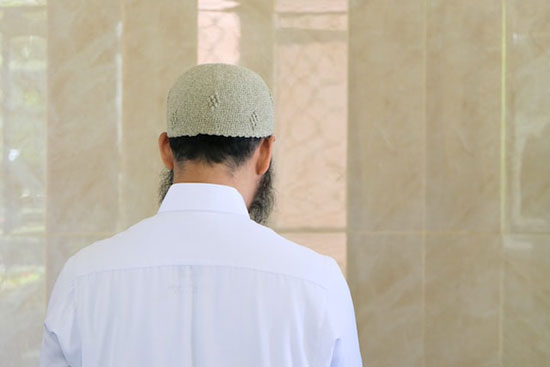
(320, 285)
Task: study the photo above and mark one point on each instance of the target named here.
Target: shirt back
(200, 284)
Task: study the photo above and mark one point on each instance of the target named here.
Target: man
(203, 282)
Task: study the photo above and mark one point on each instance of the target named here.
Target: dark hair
(210, 149)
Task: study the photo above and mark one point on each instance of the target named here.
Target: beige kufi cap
(220, 99)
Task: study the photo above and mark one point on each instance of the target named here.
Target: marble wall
(412, 145)
(449, 182)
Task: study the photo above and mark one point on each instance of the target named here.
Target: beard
(264, 198)
(262, 203)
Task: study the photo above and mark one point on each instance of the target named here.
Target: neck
(220, 174)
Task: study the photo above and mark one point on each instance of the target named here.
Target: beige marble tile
(153, 54)
(526, 301)
(311, 6)
(463, 92)
(462, 301)
(310, 96)
(326, 243)
(256, 42)
(22, 299)
(21, 250)
(82, 162)
(23, 112)
(386, 135)
(528, 75)
(385, 277)
(22, 182)
(23, 179)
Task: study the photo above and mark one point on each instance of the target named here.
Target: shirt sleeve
(341, 319)
(60, 339)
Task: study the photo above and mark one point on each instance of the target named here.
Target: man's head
(220, 130)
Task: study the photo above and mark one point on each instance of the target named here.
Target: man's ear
(265, 151)
(165, 151)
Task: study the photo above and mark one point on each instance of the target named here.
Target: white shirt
(200, 284)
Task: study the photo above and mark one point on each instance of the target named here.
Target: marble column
(386, 178)
(526, 290)
(463, 254)
(256, 37)
(82, 150)
(158, 43)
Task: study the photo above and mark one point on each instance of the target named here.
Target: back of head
(219, 114)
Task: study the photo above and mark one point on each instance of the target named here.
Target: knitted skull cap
(220, 99)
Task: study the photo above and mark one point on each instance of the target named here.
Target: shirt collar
(184, 196)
